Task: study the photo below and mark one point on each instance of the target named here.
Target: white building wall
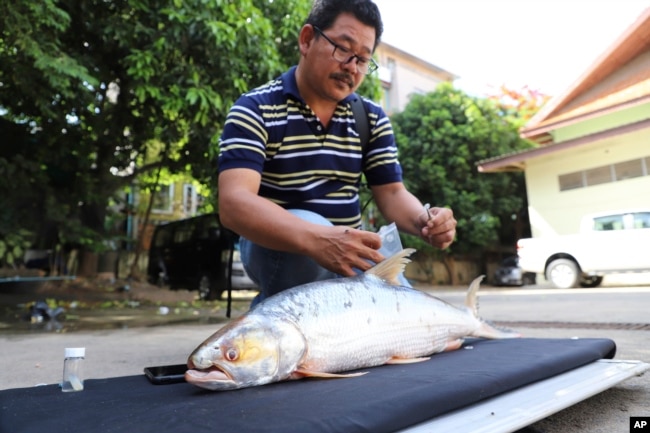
(408, 80)
(403, 75)
(559, 212)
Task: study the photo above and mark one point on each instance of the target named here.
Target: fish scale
(323, 328)
(369, 317)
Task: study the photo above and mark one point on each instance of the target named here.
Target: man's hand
(438, 227)
(342, 249)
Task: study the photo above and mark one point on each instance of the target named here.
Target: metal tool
(426, 209)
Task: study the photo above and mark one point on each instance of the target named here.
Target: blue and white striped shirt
(303, 166)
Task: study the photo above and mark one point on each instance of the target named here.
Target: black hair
(325, 12)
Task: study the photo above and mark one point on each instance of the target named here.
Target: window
(189, 199)
(184, 232)
(209, 227)
(571, 181)
(163, 237)
(605, 174)
(163, 199)
(628, 169)
(609, 222)
(641, 220)
(598, 175)
(636, 220)
(388, 102)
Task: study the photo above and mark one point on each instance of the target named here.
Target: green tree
(106, 91)
(441, 136)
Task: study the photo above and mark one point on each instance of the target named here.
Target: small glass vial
(73, 369)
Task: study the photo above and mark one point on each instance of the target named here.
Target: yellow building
(593, 151)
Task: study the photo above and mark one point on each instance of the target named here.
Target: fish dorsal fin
(390, 268)
(472, 292)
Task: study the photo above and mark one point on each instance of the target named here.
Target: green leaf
(101, 94)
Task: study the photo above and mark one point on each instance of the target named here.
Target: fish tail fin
(485, 329)
(390, 268)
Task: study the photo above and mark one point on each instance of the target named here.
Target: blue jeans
(274, 271)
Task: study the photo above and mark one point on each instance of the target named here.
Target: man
(290, 161)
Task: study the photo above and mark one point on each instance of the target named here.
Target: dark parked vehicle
(193, 254)
(510, 274)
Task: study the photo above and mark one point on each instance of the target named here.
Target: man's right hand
(343, 249)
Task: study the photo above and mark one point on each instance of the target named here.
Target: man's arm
(338, 249)
(396, 203)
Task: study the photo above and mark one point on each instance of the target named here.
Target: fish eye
(231, 354)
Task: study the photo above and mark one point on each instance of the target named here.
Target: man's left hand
(439, 227)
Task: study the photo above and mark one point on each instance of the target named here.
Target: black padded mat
(388, 398)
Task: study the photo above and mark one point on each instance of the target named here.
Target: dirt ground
(26, 283)
(100, 288)
(99, 303)
(91, 290)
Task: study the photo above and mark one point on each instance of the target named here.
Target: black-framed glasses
(344, 56)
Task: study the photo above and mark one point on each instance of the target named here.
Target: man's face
(326, 76)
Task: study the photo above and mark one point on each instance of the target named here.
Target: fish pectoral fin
(453, 345)
(300, 373)
(396, 360)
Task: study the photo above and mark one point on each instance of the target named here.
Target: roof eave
(533, 133)
(516, 162)
(628, 43)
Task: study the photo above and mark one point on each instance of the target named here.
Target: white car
(609, 242)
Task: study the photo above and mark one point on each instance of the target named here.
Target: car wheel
(563, 273)
(591, 281)
(207, 288)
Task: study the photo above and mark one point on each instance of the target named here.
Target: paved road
(30, 359)
(599, 305)
(619, 313)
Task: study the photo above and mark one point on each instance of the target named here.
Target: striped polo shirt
(303, 165)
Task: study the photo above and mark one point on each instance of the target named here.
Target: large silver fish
(322, 328)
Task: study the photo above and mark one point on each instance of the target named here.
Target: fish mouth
(205, 376)
(209, 374)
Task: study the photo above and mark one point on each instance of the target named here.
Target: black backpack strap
(363, 128)
(361, 120)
